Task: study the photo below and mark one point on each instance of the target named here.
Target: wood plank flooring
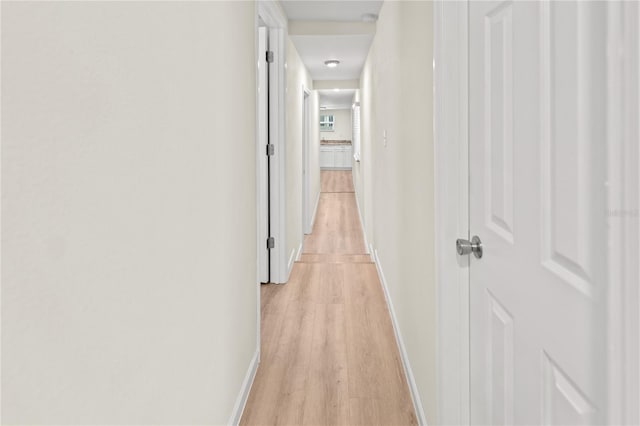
(336, 181)
(337, 228)
(329, 355)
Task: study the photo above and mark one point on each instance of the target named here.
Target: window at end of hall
(326, 123)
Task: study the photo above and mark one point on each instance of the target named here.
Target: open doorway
(336, 131)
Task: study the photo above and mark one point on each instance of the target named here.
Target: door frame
(262, 173)
(452, 210)
(451, 186)
(275, 19)
(306, 182)
(623, 131)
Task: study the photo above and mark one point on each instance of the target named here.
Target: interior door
(263, 162)
(537, 80)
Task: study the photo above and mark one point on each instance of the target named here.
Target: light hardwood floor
(329, 355)
(337, 228)
(336, 181)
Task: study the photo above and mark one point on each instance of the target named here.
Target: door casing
(262, 173)
(272, 15)
(452, 210)
(306, 185)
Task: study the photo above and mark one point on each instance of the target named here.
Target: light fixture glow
(332, 63)
(336, 90)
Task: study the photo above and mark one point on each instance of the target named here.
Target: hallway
(329, 354)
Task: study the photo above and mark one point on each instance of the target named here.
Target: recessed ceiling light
(332, 63)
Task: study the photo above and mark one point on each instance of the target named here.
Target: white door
(262, 160)
(537, 159)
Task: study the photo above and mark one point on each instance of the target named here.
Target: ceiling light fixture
(332, 63)
(336, 90)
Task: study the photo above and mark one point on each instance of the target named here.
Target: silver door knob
(464, 247)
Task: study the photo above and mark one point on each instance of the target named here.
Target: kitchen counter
(334, 142)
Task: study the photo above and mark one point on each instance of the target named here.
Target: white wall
(129, 217)
(341, 125)
(297, 77)
(399, 220)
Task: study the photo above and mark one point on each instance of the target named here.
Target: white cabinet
(343, 159)
(326, 157)
(335, 156)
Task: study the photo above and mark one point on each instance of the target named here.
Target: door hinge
(271, 149)
(271, 242)
(269, 56)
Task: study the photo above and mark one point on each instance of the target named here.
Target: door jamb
(262, 178)
(274, 17)
(623, 214)
(306, 184)
(451, 163)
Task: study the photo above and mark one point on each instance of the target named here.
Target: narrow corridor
(329, 354)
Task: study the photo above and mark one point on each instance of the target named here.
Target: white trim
(262, 178)
(315, 211)
(243, 395)
(279, 271)
(299, 252)
(272, 14)
(1, 213)
(364, 233)
(413, 387)
(623, 181)
(274, 17)
(306, 169)
(452, 209)
(261, 197)
(295, 255)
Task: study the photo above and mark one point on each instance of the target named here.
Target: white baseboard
(415, 395)
(292, 260)
(241, 401)
(299, 253)
(293, 257)
(315, 210)
(364, 233)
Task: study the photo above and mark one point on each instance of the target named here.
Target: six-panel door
(537, 199)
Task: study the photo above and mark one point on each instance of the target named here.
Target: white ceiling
(321, 10)
(333, 99)
(350, 50)
(314, 49)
